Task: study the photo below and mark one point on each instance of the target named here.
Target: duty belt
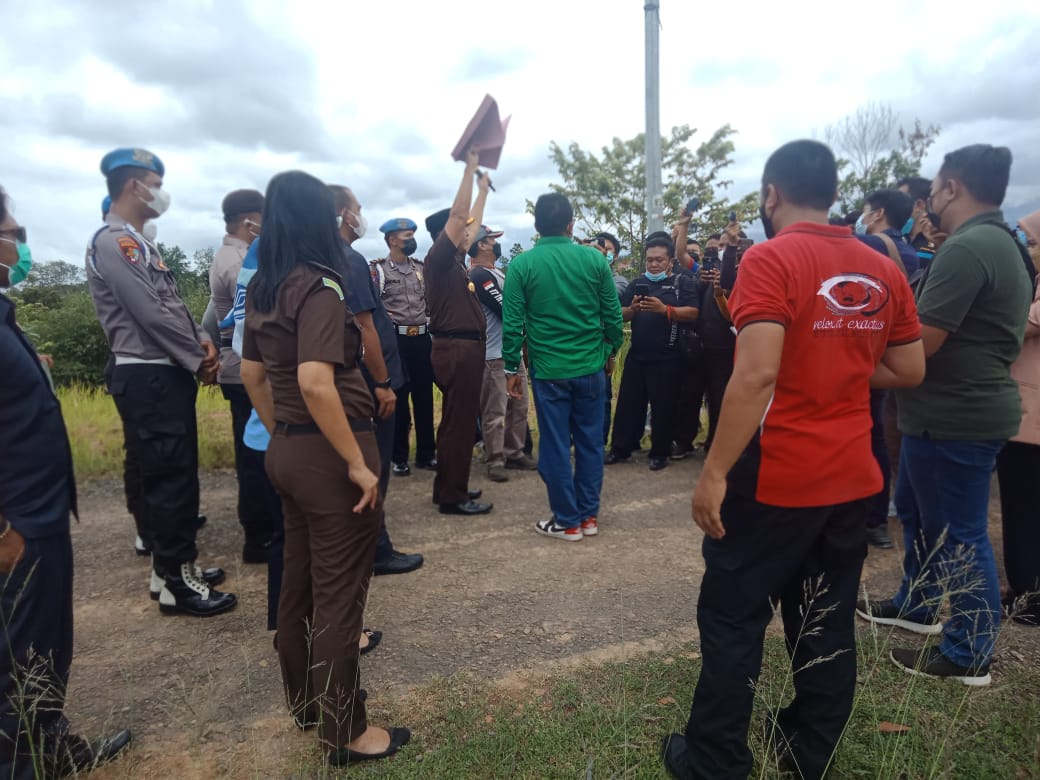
(411, 330)
(358, 425)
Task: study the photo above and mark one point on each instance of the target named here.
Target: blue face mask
(16, 273)
(610, 258)
(1023, 239)
(656, 277)
(909, 226)
(861, 226)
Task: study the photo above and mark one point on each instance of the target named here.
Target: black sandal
(399, 737)
(374, 638)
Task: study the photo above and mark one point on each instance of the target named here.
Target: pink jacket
(1026, 371)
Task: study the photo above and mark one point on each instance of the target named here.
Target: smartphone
(711, 260)
(743, 244)
(641, 288)
(693, 204)
(733, 216)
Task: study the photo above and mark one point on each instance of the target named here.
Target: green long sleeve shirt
(561, 297)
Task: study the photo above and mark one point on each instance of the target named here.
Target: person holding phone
(656, 304)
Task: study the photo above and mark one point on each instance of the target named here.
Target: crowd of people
(885, 362)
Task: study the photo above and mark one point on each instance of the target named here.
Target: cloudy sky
(374, 95)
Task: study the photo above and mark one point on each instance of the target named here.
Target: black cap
(435, 222)
(242, 202)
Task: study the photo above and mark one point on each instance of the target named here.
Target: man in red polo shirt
(784, 493)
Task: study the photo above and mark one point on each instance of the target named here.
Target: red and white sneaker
(590, 527)
(549, 528)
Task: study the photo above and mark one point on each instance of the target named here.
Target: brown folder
(486, 133)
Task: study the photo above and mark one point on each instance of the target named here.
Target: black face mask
(696, 257)
(767, 222)
(498, 251)
(410, 245)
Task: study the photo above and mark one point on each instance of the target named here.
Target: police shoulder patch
(130, 249)
(332, 285)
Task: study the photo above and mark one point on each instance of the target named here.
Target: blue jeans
(571, 409)
(942, 497)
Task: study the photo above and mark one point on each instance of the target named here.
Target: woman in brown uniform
(300, 365)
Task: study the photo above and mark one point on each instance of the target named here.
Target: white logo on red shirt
(849, 295)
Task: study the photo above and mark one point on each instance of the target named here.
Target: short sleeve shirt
(841, 305)
(654, 336)
(310, 322)
(451, 296)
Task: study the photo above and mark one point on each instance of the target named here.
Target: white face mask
(362, 224)
(250, 225)
(159, 201)
(150, 230)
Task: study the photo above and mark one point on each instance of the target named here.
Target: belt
(469, 335)
(359, 425)
(122, 360)
(411, 330)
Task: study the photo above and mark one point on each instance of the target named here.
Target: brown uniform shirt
(454, 307)
(309, 322)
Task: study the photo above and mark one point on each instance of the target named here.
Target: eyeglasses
(16, 234)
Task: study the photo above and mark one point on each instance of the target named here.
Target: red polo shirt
(841, 304)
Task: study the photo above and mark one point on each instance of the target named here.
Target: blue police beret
(106, 206)
(398, 223)
(136, 158)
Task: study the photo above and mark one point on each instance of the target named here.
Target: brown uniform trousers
(329, 553)
(458, 367)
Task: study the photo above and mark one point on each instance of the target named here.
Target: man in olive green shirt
(973, 303)
(561, 296)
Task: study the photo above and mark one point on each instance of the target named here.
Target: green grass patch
(607, 721)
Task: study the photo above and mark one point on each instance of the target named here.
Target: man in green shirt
(561, 296)
(973, 303)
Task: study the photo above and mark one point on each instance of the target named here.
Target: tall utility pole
(654, 199)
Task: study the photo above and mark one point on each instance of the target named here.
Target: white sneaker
(549, 528)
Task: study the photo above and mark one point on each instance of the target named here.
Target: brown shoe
(497, 474)
(523, 463)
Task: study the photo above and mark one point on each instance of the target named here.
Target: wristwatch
(385, 384)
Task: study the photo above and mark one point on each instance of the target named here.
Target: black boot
(257, 549)
(212, 578)
(185, 593)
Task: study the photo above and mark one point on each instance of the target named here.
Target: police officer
(159, 349)
(403, 289)
(459, 331)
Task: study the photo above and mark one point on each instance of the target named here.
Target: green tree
(874, 152)
(608, 191)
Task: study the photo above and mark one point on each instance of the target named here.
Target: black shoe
(257, 550)
(401, 469)
(656, 464)
(184, 593)
(612, 457)
(886, 613)
(676, 759)
(466, 508)
(84, 756)
(473, 495)
(1024, 610)
(930, 662)
(200, 521)
(398, 563)
(878, 537)
(427, 465)
(140, 548)
(680, 452)
(212, 577)
(399, 737)
(374, 638)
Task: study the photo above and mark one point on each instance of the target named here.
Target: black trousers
(255, 509)
(691, 398)
(157, 406)
(877, 514)
(657, 383)
(810, 561)
(35, 656)
(718, 368)
(385, 441)
(1018, 471)
(415, 354)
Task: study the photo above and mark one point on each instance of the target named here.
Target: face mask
(696, 257)
(409, 247)
(610, 258)
(861, 226)
(159, 201)
(908, 227)
(656, 277)
(1023, 239)
(767, 222)
(16, 273)
(498, 251)
(362, 225)
(253, 233)
(150, 230)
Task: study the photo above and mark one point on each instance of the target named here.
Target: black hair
(804, 173)
(659, 238)
(342, 197)
(299, 227)
(118, 178)
(984, 171)
(853, 217)
(552, 214)
(897, 205)
(715, 237)
(238, 203)
(837, 221)
(919, 188)
(474, 248)
(609, 237)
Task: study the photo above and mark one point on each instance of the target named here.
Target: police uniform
(403, 290)
(158, 351)
(329, 549)
(459, 329)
